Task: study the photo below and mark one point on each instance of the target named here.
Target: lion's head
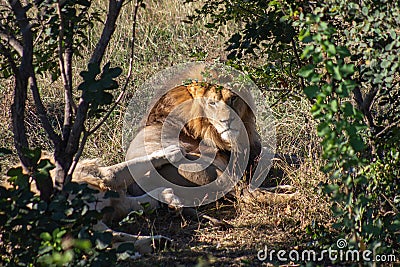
(209, 113)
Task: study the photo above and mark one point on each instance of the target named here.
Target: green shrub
(343, 55)
(55, 233)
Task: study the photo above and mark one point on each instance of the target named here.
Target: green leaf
(33, 154)
(337, 75)
(45, 236)
(348, 109)
(347, 70)
(343, 51)
(385, 64)
(114, 72)
(93, 71)
(307, 70)
(4, 151)
(305, 36)
(307, 52)
(83, 244)
(330, 188)
(329, 48)
(364, 11)
(356, 143)
(311, 91)
(45, 165)
(323, 129)
(393, 34)
(334, 105)
(14, 172)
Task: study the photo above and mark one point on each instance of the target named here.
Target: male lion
(210, 124)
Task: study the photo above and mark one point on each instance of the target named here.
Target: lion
(209, 123)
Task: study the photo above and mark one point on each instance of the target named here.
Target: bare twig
(296, 55)
(388, 128)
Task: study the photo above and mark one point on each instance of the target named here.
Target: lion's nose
(227, 121)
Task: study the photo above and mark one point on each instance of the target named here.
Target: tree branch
(364, 103)
(114, 8)
(18, 109)
(26, 69)
(64, 59)
(73, 147)
(12, 41)
(127, 79)
(128, 76)
(296, 55)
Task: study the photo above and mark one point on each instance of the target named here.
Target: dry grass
(163, 39)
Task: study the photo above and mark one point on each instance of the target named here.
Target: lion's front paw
(171, 154)
(167, 196)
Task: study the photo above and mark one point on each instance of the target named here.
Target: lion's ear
(195, 90)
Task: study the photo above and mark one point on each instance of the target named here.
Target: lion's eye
(232, 100)
(211, 102)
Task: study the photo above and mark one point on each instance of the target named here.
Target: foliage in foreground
(342, 56)
(54, 233)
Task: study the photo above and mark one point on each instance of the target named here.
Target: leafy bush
(58, 232)
(343, 55)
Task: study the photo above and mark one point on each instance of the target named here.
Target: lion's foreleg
(120, 176)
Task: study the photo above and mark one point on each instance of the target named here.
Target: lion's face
(223, 109)
(213, 114)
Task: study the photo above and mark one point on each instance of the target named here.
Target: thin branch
(41, 110)
(119, 98)
(113, 12)
(388, 128)
(83, 106)
(21, 84)
(26, 68)
(296, 54)
(77, 156)
(73, 146)
(128, 76)
(12, 41)
(64, 69)
(18, 109)
(364, 103)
